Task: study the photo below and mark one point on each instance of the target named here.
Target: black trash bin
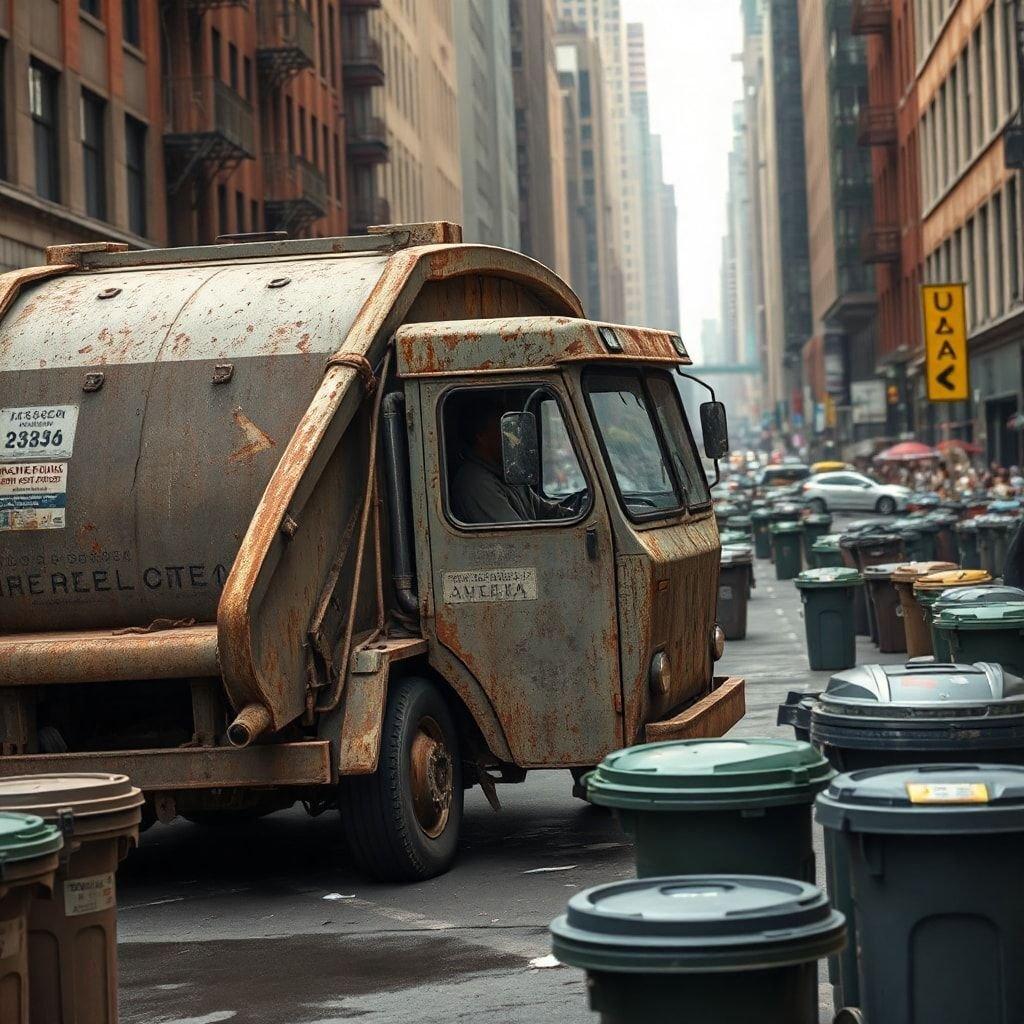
(761, 520)
(886, 612)
(786, 548)
(934, 854)
(700, 948)
(868, 548)
(967, 544)
(876, 715)
(723, 510)
(733, 591)
(826, 552)
(816, 525)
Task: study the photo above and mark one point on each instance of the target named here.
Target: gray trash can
(934, 854)
(734, 582)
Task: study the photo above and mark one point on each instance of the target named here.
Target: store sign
(868, 400)
(945, 341)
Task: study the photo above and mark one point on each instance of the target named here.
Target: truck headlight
(661, 674)
(717, 642)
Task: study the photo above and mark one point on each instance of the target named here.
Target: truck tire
(402, 823)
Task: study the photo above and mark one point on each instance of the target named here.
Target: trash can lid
(920, 683)
(760, 515)
(827, 542)
(787, 526)
(907, 572)
(967, 526)
(736, 554)
(926, 800)
(1005, 505)
(920, 523)
(24, 836)
(830, 576)
(882, 571)
(738, 520)
(713, 774)
(952, 578)
(818, 519)
(981, 616)
(869, 540)
(729, 538)
(95, 799)
(983, 593)
(696, 923)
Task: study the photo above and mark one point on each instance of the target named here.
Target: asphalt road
(268, 923)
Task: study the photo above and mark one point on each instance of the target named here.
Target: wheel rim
(431, 777)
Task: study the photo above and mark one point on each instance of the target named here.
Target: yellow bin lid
(910, 571)
(953, 578)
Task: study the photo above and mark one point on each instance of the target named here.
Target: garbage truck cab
(360, 522)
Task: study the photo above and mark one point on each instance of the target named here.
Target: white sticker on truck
(88, 895)
(485, 585)
(37, 432)
(33, 495)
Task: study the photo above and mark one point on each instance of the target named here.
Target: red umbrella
(965, 446)
(907, 451)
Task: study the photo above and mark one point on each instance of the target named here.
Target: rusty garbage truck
(359, 522)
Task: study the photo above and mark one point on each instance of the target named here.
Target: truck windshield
(630, 438)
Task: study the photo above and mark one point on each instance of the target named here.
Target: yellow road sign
(945, 342)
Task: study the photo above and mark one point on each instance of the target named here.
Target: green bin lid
(709, 775)
(696, 923)
(981, 616)
(983, 593)
(818, 519)
(787, 526)
(830, 542)
(740, 521)
(24, 836)
(736, 554)
(760, 515)
(967, 526)
(832, 576)
(730, 537)
(931, 799)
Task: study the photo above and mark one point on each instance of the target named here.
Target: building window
(131, 25)
(135, 167)
(247, 78)
(215, 49)
(239, 211)
(315, 139)
(222, 210)
(331, 39)
(42, 98)
(254, 215)
(233, 66)
(289, 123)
(3, 111)
(1013, 239)
(93, 7)
(93, 113)
(302, 132)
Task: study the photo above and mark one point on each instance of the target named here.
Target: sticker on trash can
(11, 937)
(37, 432)
(947, 792)
(88, 895)
(725, 593)
(33, 495)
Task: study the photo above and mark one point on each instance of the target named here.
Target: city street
(267, 923)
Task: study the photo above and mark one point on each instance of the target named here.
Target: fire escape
(366, 140)
(295, 189)
(208, 126)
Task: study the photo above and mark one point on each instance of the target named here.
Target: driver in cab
(479, 491)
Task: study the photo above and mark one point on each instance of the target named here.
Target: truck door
(524, 578)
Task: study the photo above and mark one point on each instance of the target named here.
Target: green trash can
(966, 532)
(761, 522)
(964, 597)
(786, 512)
(815, 525)
(945, 538)
(826, 552)
(828, 599)
(983, 632)
(723, 510)
(701, 949)
(727, 537)
(786, 549)
(994, 535)
(934, 854)
(925, 548)
(928, 589)
(29, 850)
(696, 806)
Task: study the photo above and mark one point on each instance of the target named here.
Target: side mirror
(520, 450)
(714, 426)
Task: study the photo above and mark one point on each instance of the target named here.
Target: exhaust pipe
(252, 721)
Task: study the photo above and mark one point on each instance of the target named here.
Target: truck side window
(477, 493)
(679, 440)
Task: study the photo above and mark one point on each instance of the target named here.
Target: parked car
(782, 475)
(853, 492)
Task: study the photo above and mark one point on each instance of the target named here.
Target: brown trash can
(28, 864)
(73, 936)
(885, 607)
(918, 635)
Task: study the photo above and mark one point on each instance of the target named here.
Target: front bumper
(713, 715)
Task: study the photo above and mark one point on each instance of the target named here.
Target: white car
(846, 491)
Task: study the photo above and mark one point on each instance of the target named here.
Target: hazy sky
(692, 83)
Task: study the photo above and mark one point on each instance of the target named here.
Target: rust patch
(257, 440)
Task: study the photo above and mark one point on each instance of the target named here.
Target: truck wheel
(402, 823)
